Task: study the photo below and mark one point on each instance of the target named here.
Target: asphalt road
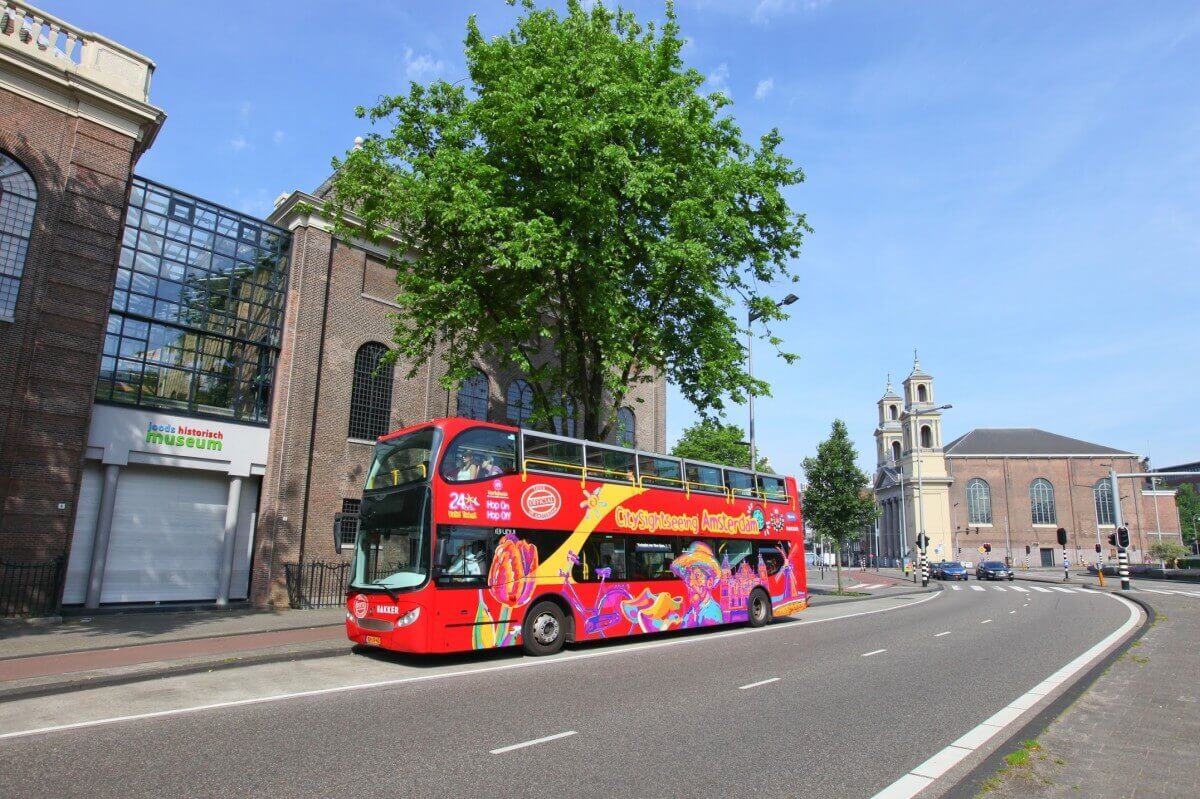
(843, 709)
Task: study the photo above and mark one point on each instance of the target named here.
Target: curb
(841, 600)
(971, 784)
(79, 683)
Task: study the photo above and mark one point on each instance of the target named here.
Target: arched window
(371, 392)
(473, 397)
(1041, 499)
(979, 502)
(18, 200)
(896, 451)
(926, 436)
(519, 402)
(626, 432)
(1104, 502)
(921, 394)
(893, 412)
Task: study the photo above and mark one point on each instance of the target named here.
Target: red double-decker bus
(475, 535)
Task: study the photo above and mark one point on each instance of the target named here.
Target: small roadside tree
(716, 442)
(1167, 551)
(837, 502)
(581, 209)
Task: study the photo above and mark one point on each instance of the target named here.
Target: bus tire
(545, 629)
(758, 608)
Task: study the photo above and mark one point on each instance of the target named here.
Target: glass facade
(197, 313)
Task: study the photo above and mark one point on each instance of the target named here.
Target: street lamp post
(750, 317)
(920, 488)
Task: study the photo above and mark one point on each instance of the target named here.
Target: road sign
(982, 550)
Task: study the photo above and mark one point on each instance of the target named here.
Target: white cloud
(278, 137)
(421, 67)
(764, 88)
(767, 10)
(718, 80)
(239, 142)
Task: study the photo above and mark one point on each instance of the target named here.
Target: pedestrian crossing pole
(922, 542)
(1062, 542)
(1121, 536)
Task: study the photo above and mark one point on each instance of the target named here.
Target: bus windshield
(392, 551)
(402, 460)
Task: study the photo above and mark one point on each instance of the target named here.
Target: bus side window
(479, 454)
(737, 550)
(773, 488)
(663, 472)
(552, 455)
(704, 478)
(650, 558)
(741, 484)
(600, 552)
(464, 555)
(772, 556)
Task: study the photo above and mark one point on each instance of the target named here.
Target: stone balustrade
(36, 34)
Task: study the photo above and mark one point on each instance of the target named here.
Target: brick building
(1010, 488)
(189, 395)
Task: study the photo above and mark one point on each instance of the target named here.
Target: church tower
(889, 434)
(923, 463)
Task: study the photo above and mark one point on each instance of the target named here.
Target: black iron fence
(316, 584)
(32, 588)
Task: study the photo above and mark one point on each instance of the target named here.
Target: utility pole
(1122, 554)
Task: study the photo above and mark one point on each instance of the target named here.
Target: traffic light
(1112, 539)
(1062, 536)
(987, 547)
(1123, 537)
(1097, 549)
(1027, 549)
(922, 541)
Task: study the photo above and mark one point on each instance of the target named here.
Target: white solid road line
(997, 588)
(634, 646)
(977, 588)
(1061, 590)
(939, 635)
(534, 742)
(956, 588)
(1019, 588)
(756, 684)
(1012, 611)
(986, 621)
(1041, 590)
(925, 774)
(873, 652)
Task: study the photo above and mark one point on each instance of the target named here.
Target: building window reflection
(197, 311)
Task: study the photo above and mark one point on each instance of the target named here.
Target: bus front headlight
(408, 618)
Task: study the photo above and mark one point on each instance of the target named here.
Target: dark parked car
(951, 570)
(993, 570)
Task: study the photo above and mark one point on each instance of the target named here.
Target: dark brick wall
(50, 353)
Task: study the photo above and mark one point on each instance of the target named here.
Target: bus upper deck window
(479, 454)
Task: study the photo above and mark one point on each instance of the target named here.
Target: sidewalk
(119, 647)
(1130, 734)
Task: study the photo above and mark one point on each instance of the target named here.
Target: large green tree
(837, 500)
(716, 442)
(1187, 501)
(579, 207)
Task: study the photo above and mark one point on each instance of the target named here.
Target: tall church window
(979, 502)
(892, 411)
(370, 393)
(519, 402)
(18, 201)
(922, 396)
(1104, 502)
(626, 435)
(1041, 499)
(896, 451)
(473, 397)
(926, 436)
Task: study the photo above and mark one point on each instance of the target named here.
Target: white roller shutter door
(166, 535)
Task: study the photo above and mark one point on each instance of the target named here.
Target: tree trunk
(837, 561)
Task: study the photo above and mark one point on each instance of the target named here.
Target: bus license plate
(373, 640)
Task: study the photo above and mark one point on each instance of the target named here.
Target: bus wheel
(545, 629)
(758, 608)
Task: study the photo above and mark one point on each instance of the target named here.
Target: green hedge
(1192, 562)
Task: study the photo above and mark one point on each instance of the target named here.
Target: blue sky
(1012, 188)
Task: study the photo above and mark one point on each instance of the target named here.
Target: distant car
(993, 570)
(950, 570)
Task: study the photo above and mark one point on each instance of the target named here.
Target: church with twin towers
(908, 446)
(1003, 492)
